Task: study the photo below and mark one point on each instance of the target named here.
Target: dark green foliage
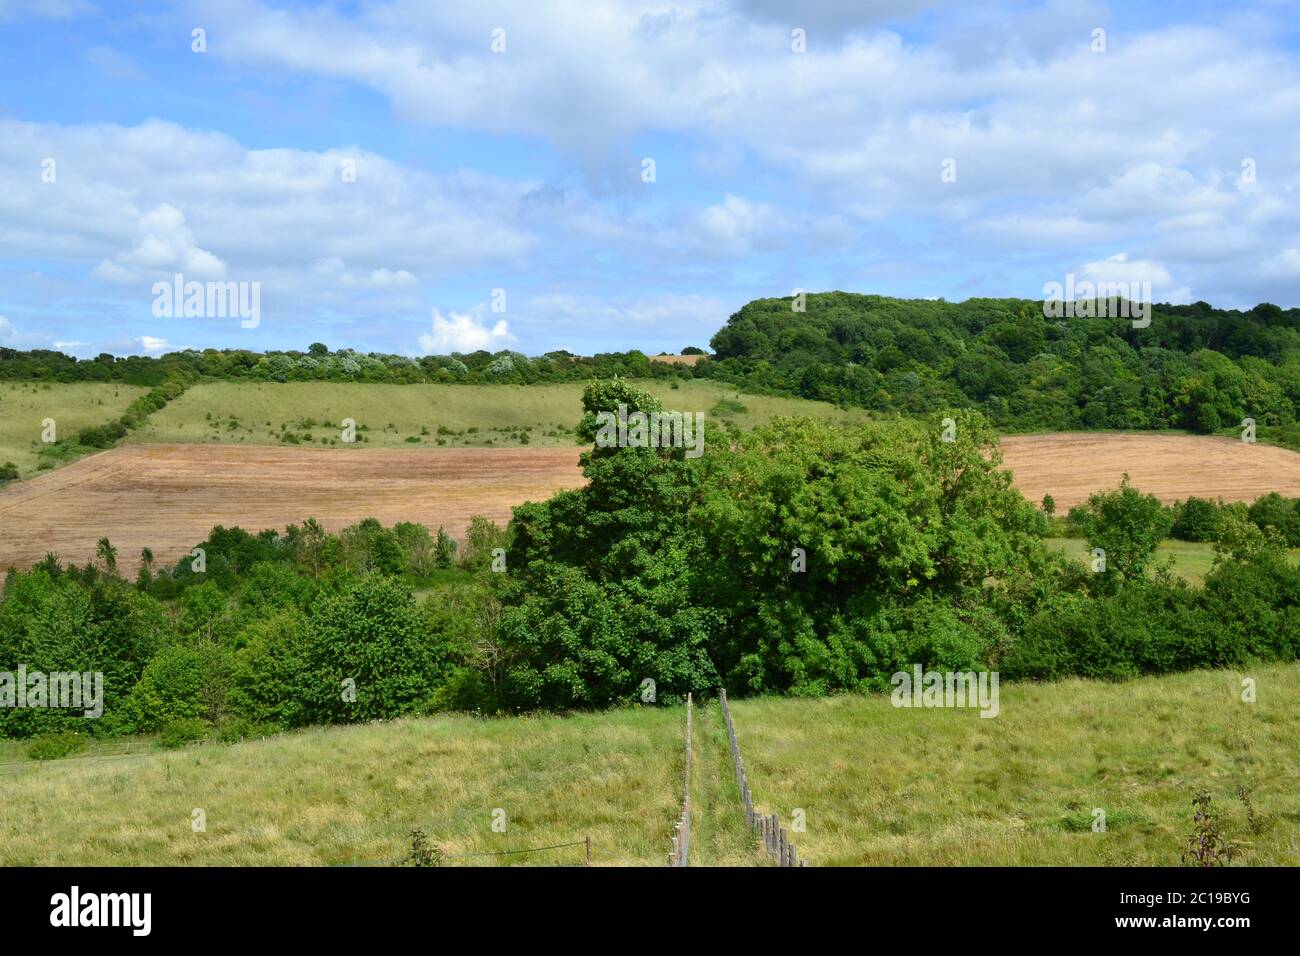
(52, 746)
(1194, 367)
(1196, 520)
(187, 730)
(64, 622)
(1127, 525)
(1282, 514)
(1206, 845)
(367, 641)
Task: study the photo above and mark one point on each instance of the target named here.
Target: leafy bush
(181, 683)
(184, 731)
(55, 745)
(1196, 520)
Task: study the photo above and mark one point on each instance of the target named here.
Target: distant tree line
(319, 364)
(1205, 520)
(1194, 367)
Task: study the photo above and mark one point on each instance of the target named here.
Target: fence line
(681, 851)
(775, 840)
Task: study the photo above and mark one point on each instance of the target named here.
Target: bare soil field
(167, 497)
(1073, 465)
(677, 359)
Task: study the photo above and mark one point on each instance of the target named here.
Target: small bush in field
(235, 729)
(53, 746)
(178, 733)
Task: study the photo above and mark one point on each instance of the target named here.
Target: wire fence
(775, 840)
(681, 851)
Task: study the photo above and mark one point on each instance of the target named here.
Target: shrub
(55, 745)
(368, 636)
(181, 683)
(1196, 520)
(234, 729)
(178, 733)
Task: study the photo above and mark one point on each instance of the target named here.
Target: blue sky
(1172, 156)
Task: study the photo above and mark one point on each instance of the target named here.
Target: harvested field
(677, 359)
(167, 497)
(1073, 465)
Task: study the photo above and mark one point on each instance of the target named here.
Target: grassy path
(719, 836)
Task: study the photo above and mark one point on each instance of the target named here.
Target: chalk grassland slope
(351, 794)
(24, 405)
(915, 787)
(878, 785)
(394, 413)
(168, 497)
(1072, 465)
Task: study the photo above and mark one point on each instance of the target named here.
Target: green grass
(349, 794)
(73, 406)
(1192, 561)
(234, 412)
(878, 785)
(890, 786)
(719, 836)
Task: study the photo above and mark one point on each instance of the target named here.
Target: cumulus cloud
(153, 345)
(1120, 268)
(334, 270)
(158, 197)
(164, 244)
(462, 332)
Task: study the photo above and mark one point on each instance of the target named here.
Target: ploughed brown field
(167, 497)
(1072, 465)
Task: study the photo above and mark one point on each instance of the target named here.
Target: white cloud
(1285, 263)
(164, 244)
(153, 345)
(334, 270)
(134, 202)
(1120, 268)
(735, 224)
(464, 333)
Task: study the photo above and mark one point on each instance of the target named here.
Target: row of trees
(319, 364)
(1200, 519)
(1192, 367)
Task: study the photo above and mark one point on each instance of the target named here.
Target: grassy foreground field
(878, 785)
(354, 794)
(910, 787)
(24, 405)
(469, 415)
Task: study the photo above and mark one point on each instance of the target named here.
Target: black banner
(212, 905)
